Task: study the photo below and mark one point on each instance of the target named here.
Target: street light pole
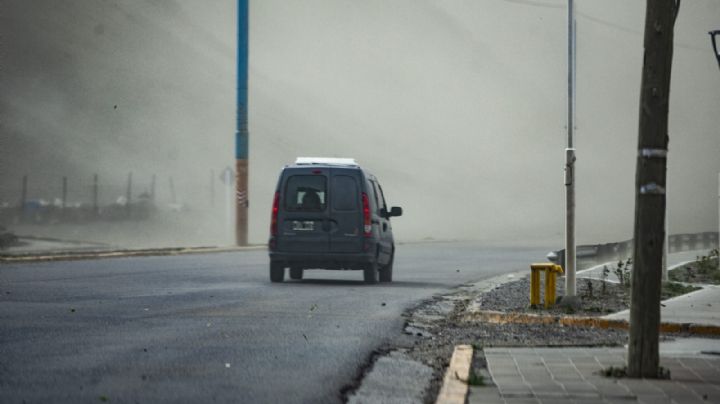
(241, 134)
(570, 162)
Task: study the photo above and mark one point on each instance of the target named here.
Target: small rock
(383, 304)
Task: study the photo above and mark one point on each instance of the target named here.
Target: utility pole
(241, 134)
(650, 180)
(570, 291)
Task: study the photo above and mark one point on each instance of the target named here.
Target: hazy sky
(458, 106)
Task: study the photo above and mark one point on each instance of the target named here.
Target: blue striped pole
(241, 133)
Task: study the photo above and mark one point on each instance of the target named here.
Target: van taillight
(367, 223)
(274, 217)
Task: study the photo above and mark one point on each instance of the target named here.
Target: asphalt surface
(212, 328)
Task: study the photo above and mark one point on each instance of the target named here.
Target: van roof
(331, 161)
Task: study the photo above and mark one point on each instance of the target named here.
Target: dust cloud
(459, 107)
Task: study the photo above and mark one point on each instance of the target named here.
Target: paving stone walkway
(571, 375)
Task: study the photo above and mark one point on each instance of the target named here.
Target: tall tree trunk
(643, 352)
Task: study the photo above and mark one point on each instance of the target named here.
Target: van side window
(306, 193)
(344, 193)
(378, 191)
(375, 193)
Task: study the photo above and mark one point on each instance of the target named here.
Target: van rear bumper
(323, 260)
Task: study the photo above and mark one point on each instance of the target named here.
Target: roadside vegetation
(704, 269)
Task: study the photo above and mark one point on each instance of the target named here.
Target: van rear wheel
(386, 272)
(296, 273)
(370, 273)
(277, 272)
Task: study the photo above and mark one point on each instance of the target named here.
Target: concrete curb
(497, 317)
(88, 255)
(455, 383)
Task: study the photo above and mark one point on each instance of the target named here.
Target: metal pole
(128, 194)
(570, 158)
(666, 245)
(212, 188)
(96, 209)
(64, 192)
(152, 189)
(23, 193)
(23, 197)
(241, 134)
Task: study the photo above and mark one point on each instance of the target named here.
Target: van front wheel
(370, 273)
(277, 272)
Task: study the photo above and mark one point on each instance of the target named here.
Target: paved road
(202, 328)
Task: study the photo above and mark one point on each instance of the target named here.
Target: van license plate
(307, 225)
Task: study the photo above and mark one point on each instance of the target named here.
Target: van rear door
(303, 216)
(346, 234)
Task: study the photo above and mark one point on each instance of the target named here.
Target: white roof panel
(337, 161)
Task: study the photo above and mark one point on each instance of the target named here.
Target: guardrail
(591, 254)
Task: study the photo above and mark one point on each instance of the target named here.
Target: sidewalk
(571, 375)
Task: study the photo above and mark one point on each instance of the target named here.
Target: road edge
(101, 254)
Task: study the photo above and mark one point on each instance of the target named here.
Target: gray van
(329, 213)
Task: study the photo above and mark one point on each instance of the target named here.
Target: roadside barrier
(591, 254)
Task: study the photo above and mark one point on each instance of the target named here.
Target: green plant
(673, 289)
(708, 263)
(605, 273)
(614, 371)
(623, 271)
(689, 274)
(621, 371)
(475, 379)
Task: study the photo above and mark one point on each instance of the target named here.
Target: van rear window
(306, 193)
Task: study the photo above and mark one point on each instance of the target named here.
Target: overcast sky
(459, 107)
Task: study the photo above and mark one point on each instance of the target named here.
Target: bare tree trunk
(643, 351)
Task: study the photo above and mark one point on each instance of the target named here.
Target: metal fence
(90, 198)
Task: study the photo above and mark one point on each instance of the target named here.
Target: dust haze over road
(457, 106)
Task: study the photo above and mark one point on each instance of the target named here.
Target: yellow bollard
(551, 271)
(534, 286)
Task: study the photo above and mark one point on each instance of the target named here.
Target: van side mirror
(395, 211)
